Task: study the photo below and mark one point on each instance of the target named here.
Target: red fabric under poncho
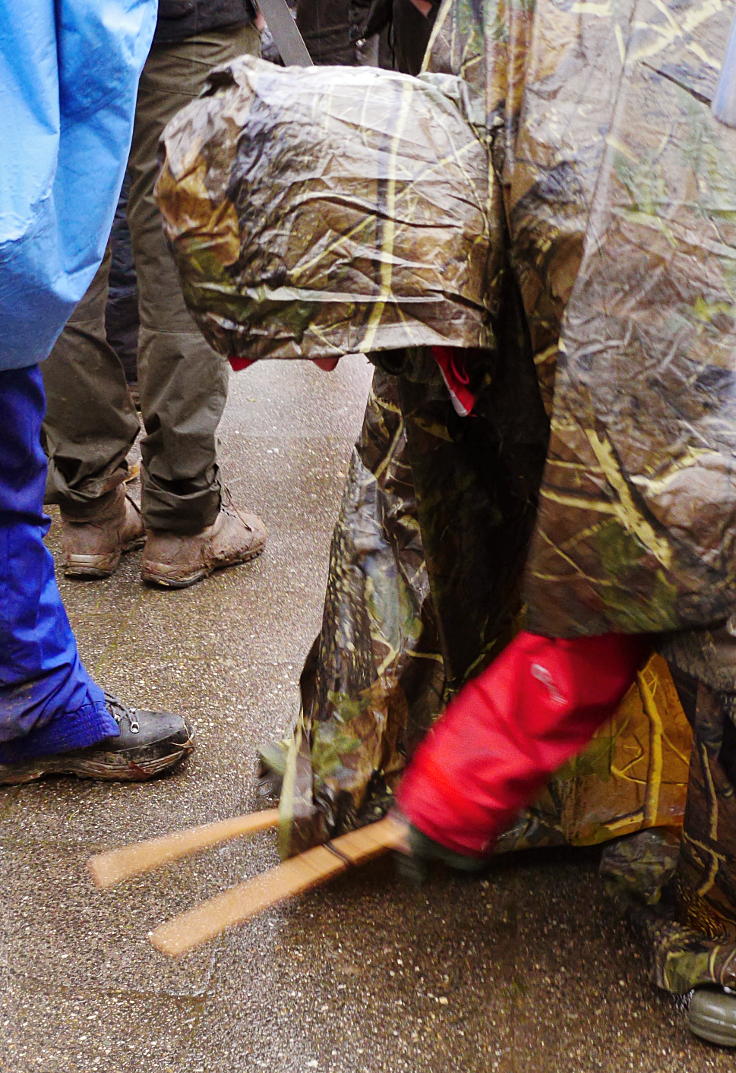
(509, 729)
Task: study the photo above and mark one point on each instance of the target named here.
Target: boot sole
(712, 1017)
(90, 571)
(88, 768)
(152, 577)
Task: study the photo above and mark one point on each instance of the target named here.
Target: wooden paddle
(110, 868)
(310, 869)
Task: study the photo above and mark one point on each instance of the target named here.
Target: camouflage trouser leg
(373, 682)
(691, 930)
(422, 589)
(706, 873)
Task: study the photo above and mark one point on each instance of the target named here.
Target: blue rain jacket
(68, 79)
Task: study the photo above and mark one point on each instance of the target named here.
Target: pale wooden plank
(304, 872)
(110, 868)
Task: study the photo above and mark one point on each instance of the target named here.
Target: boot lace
(120, 711)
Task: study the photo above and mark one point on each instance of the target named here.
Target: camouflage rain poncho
(578, 240)
(327, 211)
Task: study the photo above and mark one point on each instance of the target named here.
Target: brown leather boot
(175, 560)
(94, 537)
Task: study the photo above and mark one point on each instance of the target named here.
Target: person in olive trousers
(188, 523)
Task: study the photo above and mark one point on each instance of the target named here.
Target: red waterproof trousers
(509, 729)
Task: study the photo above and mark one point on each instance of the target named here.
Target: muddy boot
(93, 537)
(711, 1014)
(148, 744)
(175, 560)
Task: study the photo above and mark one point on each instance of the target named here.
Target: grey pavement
(528, 971)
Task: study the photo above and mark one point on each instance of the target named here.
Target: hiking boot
(94, 537)
(175, 560)
(149, 743)
(711, 1014)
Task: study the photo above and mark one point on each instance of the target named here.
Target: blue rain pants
(48, 702)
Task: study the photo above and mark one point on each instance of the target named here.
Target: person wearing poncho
(573, 236)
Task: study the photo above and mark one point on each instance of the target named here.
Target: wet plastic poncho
(576, 236)
(602, 274)
(391, 211)
(68, 80)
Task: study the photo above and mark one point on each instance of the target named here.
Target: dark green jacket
(179, 19)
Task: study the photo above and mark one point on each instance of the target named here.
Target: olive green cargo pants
(91, 422)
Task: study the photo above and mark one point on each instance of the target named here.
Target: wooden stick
(110, 868)
(182, 933)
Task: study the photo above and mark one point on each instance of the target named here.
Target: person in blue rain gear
(68, 78)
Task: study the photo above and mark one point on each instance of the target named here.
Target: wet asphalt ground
(528, 971)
